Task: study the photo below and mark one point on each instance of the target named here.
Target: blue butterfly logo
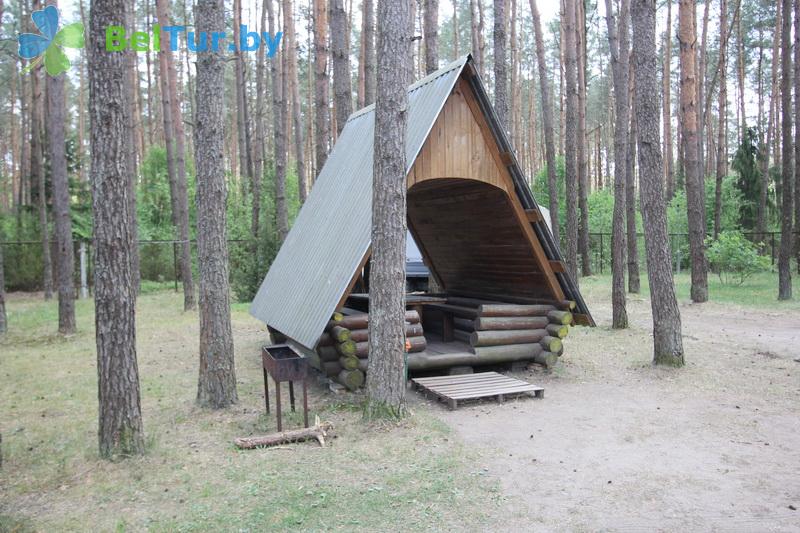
(49, 45)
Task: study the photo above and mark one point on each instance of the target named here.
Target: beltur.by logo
(48, 45)
(118, 39)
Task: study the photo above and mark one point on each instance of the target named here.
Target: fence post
(772, 251)
(84, 273)
(602, 259)
(175, 264)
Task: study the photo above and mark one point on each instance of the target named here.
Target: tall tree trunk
(787, 168)
(342, 92)
(369, 53)
(261, 134)
(3, 316)
(56, 114)
(667, 341)
(176, 158)
(771, 126)
(431, 35)
(669, 161)
(571, 139)
(701, 78)
(583, 172)
(695, 190)
(38, 173)
(475, 36)
(742, 125)
(241, 95)
(386, 385)
(797, 130)
(278, 82)
(500, 64)
(722, 140)
(455, 29)
(547, 118)
(630, 194)
(216, 386)
(321, 99)
(619, 46)
(133, 155)
(299, 144)
(120, 417)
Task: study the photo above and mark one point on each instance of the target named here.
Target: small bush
(734, 258)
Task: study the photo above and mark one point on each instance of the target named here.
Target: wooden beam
(558, 266)
(355, 277)
(534, 215)
(582, 320)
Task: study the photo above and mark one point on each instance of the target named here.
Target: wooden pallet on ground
(453, 389)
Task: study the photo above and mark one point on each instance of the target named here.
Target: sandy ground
(618, 445)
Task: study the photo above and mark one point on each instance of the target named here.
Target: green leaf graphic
(55, 61)
(70, 36)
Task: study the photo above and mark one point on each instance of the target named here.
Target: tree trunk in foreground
(797, 131)
(630, 196)
(216, 386)
(386, 386)
(669, 163)
(431, 29)
(321, 99)
(120, 417)
(38, 173)
(620, 46)
(787, 169)
(342, 92)
(547, 112)
(56, 114)
(571, 140)
(667, 341)
(583, 167)
(500, 65)
(695, 190)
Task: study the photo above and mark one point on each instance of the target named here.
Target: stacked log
(343, 348)
(510, 332)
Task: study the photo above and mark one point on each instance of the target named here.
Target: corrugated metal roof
(332, 231)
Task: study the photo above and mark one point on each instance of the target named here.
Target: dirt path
(618, 445)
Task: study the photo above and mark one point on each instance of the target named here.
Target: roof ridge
(458, 63)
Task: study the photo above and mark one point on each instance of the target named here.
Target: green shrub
(734, 258)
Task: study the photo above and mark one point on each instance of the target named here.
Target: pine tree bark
(787, 168)
(619, 45)
(431, 35)
(667, 341)
(342, 91)
(241, 96)
(3, 316)
(216, 386)
(369, 52)
(669, 166)
(321, 99)
(797, 131)
(38, 173)
(475, 36)
(297, 121)
(120, 417)
(722, 140)
(701, 78)
(571, 139)
(261, 133)
(386, 384)
(695, 190)
(56, 114)
(761, 224)
(278, 82)
(176, 158)
(500, 64)
(130, 82)
(547, 118)
(630, 192)
(583, 171)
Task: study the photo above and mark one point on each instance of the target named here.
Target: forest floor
(615, 445)
(370, 478)
(618, 445)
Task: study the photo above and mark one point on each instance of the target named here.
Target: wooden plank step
(453, 389)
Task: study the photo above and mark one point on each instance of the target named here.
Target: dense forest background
(283, 115)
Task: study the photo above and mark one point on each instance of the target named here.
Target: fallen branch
(317, 432)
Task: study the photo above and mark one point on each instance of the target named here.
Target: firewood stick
(318, 432)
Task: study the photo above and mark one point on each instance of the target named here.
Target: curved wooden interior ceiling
(464, 213)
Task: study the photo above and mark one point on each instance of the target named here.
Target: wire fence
(600, 248)
(158, 259)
